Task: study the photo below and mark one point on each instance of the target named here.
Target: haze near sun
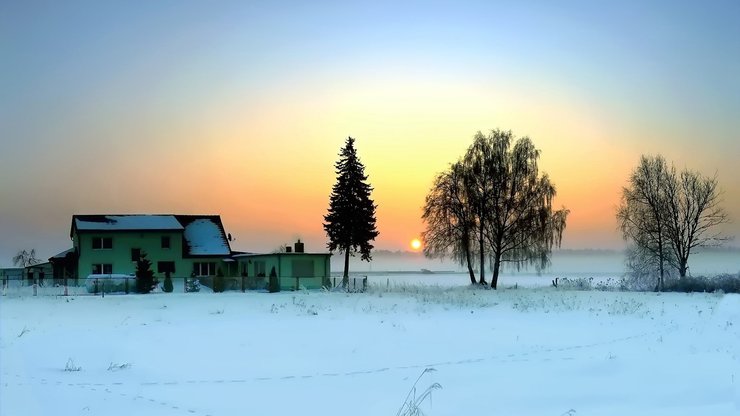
(415, 244)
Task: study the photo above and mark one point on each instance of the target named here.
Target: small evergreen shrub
(145, 281)
(274, 284)
(168, 288)
(218, 281)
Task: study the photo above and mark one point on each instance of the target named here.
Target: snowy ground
(527, 351)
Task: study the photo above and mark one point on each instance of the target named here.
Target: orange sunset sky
(241, 109)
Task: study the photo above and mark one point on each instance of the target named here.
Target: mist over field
(564, 263)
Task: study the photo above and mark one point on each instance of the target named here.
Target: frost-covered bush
(643, 272)
(192, 285)
(727, 283)
(578, 283)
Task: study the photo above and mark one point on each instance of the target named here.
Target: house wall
(283, 264)
(120, 255)
(42, 272)
(11, 273)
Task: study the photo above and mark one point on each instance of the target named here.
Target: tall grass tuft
(412, 402)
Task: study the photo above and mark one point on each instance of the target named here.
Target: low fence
(126, 285)
(93, 287)
(354, 284)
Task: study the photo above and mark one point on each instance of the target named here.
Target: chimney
(299, 246)
(288, 249)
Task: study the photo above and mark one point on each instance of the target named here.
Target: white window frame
(102, 268)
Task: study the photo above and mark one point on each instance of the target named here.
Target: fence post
(125, 285)
(34, 288)
(95, 287)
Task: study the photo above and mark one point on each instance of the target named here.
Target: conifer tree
(145, 281)
(350, 222)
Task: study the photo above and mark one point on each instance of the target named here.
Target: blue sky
(240, 108)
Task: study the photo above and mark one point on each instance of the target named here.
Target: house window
(302, 268)
(165, 241)
(102, 243)
(259, 268)
(165, 266)
(135, 254)
(204, 269)
(102, 269)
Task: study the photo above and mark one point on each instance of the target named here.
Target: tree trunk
(345, 276)
(482, 254)
(496, 267)
(469, 262)
(661, 257)
(682, 268)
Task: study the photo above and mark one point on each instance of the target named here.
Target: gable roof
(204, 236)
(128, 222)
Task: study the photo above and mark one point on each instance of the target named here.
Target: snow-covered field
(526, 351)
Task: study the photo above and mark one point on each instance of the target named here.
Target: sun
(415, 244)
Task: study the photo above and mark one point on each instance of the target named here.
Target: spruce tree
(145, 281)
(350, 222)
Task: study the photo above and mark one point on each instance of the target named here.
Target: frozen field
(509, 352)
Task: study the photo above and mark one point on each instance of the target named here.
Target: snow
(63, 254)
(205, 238)
(127, 222)
(526, 351)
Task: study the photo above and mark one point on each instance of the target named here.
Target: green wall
(149, 242)
(283, 264)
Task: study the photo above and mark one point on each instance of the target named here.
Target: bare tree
(449, 219)
(479, 185)
(26, 258)
(665, 215)
(494, 198)
(520, 225)
(693, 212)
(642, 215)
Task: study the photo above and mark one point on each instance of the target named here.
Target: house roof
(63, 254)
(128, 222)
(292, 253)
(204, 235)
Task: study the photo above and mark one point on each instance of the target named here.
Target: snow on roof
(63, 253)
(205, 237)
(126, 222)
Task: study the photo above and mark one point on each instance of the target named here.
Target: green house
(183, 245)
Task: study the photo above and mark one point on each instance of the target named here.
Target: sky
(241, 108)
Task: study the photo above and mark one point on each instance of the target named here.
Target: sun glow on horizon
(415, 244)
